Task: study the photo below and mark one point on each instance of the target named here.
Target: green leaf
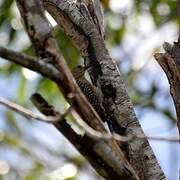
(22, 89)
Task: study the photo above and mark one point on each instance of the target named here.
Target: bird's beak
(87, 67)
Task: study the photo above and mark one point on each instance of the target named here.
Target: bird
(93, 95)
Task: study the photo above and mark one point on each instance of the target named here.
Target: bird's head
(79, 71)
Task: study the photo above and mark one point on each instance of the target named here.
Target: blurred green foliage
(20, 144)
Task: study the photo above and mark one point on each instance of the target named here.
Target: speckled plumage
(89, 90)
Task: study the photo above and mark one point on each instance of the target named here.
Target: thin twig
(105, 136)
(29, 114)
(90, 131)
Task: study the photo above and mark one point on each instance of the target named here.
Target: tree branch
(104, 72)
(27, 113)
(37, 65)
(170, 63)
(54, 117)
(105, 136)
(32, 13)
(94, 149)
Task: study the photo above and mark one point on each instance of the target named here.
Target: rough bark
(79, 23)
(90, 148)
(105, 74)
(45, 47)
(170, 63)
(95, 156)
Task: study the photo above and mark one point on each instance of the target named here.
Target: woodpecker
(90, 91)
(95, 98)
